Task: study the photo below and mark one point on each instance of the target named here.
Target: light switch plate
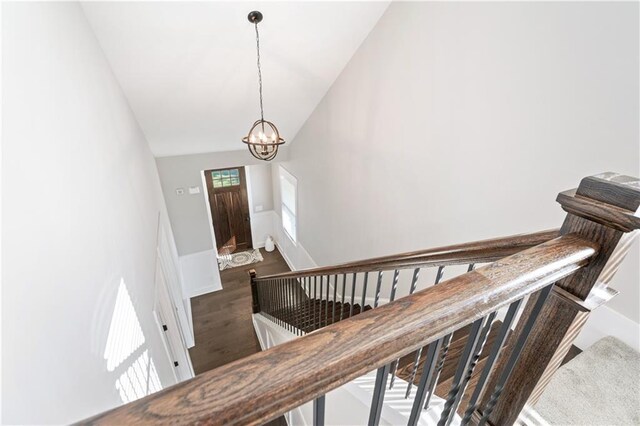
(180, 191)
(258, 208)
(194, 190)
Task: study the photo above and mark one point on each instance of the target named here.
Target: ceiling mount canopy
(263, 138)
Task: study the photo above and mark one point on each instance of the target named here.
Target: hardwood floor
(222, 320)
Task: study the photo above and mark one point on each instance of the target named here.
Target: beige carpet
(601, 386)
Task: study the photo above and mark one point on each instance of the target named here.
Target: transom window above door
(225, 178)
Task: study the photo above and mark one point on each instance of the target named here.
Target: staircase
(474, 347)
(313, 314)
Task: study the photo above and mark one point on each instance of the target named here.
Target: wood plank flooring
(222, 320)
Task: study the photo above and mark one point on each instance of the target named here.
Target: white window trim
(284, 174)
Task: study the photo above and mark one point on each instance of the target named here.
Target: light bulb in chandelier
(261, 146)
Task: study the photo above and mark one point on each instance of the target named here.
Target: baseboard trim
(604, 321)
(203, 290)
(284, 256)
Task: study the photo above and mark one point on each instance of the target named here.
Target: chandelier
(263, 138)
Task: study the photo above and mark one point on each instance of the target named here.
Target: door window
(225, 178)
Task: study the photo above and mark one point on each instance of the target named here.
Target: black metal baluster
(315, 303)
(416, 362)
(463, 365)
(318, 411)
(280, 305)
(301, 302)
(319, 306)
(267, 289)
(326, 308)
(271, 309)
(426, 377)
(377, 296)
(344, 282)
(265, 294)
(321, 300)
(484, 334)
(364, 291)
(515, 354)
(378, 395)
(353, 293)
(259, 296)
(471, 266)
(412, 288)
(392, 297)
(491, 360)
(283, 295)
(296, 305)
(335, 294)
(394, 285)
(287, 301)
(446, 340)
(276, 301)
(274, 295)
(414, 282)
(309, 306)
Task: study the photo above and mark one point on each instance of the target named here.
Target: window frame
(283, 174)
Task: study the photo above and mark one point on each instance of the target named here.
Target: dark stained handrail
(261, 387)
(483, 251)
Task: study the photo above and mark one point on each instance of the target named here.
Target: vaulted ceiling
(189, 71)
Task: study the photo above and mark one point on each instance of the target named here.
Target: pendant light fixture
(263, 138)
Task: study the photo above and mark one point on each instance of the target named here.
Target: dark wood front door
(229, 209)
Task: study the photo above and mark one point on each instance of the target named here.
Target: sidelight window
(288, 197)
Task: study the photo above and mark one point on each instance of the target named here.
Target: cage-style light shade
(263, 140)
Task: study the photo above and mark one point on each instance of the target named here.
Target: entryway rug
(601, 386)
(240, 258)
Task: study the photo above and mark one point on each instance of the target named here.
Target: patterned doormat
(241, 258)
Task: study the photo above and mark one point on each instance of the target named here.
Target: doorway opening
(229, 205)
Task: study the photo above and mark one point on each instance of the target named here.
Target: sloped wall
(82, 206)
(456, 122)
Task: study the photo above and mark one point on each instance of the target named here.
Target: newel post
(254, 291)
(605, 210)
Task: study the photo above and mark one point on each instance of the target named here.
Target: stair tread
(312, 313)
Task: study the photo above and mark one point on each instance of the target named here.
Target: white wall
(461, 121)
(189, 213)
(191, 218)
(82, 200)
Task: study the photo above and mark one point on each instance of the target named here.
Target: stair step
(313, 314)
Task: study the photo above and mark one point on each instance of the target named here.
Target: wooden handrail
(483, 251)
(261, 387)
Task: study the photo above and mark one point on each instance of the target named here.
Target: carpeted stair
(601, 386)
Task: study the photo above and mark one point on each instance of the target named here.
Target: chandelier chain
(259, 72)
